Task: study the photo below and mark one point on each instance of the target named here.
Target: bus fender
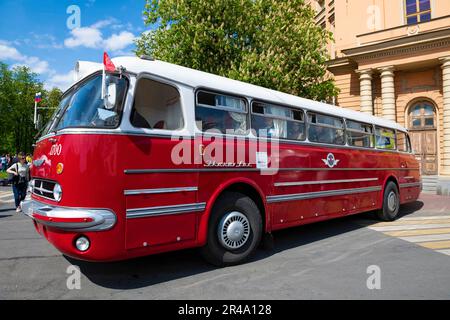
(390, 176)
(204, 218)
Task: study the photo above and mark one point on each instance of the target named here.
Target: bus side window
(156, 106)
(402, 142)
(277, 121)
(360, 134)
(385, 138)
(220, 113)
(408, 142)
(325, 129)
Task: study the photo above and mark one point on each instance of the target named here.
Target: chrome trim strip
(412, 184)
(320, 194)
(188, 170)
(103, 219)
(164, 210)
(304, 183)
(75, 131)
(160, 190)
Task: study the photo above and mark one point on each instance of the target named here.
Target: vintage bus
(132, 172)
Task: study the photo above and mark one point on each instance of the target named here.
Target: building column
(365, 82)
(446, 115)
(388, 93)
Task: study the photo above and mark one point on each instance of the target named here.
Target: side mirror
(111, 96)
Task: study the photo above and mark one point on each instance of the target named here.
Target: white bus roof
(195, 79)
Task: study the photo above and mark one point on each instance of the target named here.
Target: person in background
(13, 160)
(29, 158)
(8, 160)
(21, 175)
(3, 163)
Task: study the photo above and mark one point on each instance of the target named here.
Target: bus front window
(83, 105)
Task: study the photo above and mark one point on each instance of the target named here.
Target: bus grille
(44, 188)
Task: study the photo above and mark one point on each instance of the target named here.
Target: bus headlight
(57, 192)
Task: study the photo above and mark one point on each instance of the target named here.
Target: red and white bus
(172, 158)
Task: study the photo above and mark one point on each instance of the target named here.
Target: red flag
(109, 66)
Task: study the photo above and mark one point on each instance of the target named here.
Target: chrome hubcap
(234, 230)
(392, 201)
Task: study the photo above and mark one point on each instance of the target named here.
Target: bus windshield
(83, 106)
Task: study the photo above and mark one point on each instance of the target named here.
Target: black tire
(215, 250)
(391, 207)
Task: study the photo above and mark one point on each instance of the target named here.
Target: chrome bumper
(70, 219)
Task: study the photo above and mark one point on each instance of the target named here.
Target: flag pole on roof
(109, 66)
(37, 98)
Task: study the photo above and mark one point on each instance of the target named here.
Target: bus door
(161, 192)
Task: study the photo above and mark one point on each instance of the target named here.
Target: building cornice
(404, 46)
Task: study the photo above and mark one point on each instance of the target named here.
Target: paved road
(320, 261)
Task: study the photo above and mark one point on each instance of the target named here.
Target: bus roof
(196, 79)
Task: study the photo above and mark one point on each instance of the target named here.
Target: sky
(49, 36)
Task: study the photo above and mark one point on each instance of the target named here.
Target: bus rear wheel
(234, 230)
(391, 203)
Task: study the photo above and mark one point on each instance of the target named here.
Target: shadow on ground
(147, 271)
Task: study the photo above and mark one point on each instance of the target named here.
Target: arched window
(422, 115)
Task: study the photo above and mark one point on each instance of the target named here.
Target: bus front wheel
(234, 230)
(391, 203)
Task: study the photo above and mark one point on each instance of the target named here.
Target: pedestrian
(15, 159)
(21, 175)
(3, 163)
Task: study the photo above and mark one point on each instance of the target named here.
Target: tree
(18, 87)
(271, 43)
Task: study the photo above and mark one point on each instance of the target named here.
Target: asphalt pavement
(349, 258)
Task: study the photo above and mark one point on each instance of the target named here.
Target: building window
(422, 116)
(417, 11)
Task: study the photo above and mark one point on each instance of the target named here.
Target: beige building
(391, 58)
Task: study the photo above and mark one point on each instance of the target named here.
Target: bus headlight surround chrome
(30, 186)
(57, 192)
(82, 243)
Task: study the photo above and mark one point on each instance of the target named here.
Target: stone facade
(392, 59)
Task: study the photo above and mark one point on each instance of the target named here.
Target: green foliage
(271, 43)
(18, 87)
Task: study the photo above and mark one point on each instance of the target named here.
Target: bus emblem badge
(331, 161)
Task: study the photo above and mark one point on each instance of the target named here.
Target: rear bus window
(385, 138)
(403, 142)
(156, 106)
(325, 129)
(221, 113)
(274, 121)
(360, 134)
